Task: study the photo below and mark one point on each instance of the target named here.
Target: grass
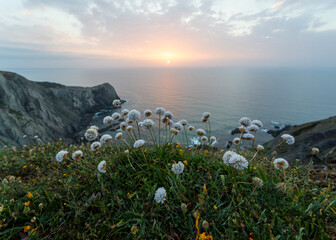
(209, 200)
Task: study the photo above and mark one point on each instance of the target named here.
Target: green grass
(79, 202)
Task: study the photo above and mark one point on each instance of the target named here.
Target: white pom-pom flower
(105, 138)
(124, 112)
(204, 139)
(174, 131)
(248, 136)
(280, 163)
(102, 167)
(134, 115)
(178, 126)
(123, 126)
(61, 155)
(178, 168)
(116, 103)
(160, 195)
(258, 123)
(252, 128)
(94, 127)
(168, 115)
(236, 141)
(184, 122)
(260, 148)
(118, 136)
(76, 155)
(259, 183)
(206, 115)
(200, 132)
(95, 146)
(191, 128)
(91, 134)
(115, 116)
(148, 123)
(238, 162)
(289, 139)
(107, 120)
(139, 143)
(147, 113)
(213, 139)
(129, 121)
(160, 111)
(129, 128)
(227, 156)
(245, 121)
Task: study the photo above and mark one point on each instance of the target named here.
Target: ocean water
(272, 95)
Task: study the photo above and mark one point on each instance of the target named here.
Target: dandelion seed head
(116, 103)
(91, 134)
(118, 136)
(258, 123)
(280, 163)
(248, 136)
(236, 141)
(160, 111)
(102, 167)
(61, 155)
(245, 121)
(160, 195)
(95, 146)
(115, 116)
(147, 113)
(105, 138)
(200, 132)
(178, 168)
(76, 155)
(134, 115)
(289, 139)
(139, 143)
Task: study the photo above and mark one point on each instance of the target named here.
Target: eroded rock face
(320, 134)
(46, 109)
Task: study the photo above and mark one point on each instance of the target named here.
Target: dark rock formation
(279, 130)
(48, 110)
(320, 134)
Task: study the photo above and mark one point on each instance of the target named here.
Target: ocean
(276, 96)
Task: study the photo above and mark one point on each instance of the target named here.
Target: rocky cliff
(320, 134)
(45, 109)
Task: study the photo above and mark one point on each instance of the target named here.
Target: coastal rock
(279, 130)
(47, 110)
(320, 134)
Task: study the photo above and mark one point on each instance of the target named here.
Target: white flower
(118, 136)
(238, 162)
(116, 103)
(123, 126)
(178, 168)
(260, 148)
(169, 115)
(184, 122)
(248, 136)
(280, 163)
(129, 121)
(213, 139)
(102, 167)
(178, 126)
(206, 115)
(95, 146)
(124, 112)
(61, 155)
(91, 134)
(105, 138)
(148, 123)
(115, 116)
(170, 122)
(94, 127)
(139, 143)
(252, 128)
(134, 115)
(258, 123)
(315, 150)
(24, 136)
(147, 113)
(204, 139)
(257, 182)
(129, 128)
(289, 139)
(160, 195)
(191, 128)
(76, 155)
(107, 120)
(227, 156)
(4, 181)
(236, 141)
(160, 111)
(200, 132)
(174, 131)
(35, 136)
(242, 129)
(245, 121)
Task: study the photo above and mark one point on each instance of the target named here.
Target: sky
(148, 33)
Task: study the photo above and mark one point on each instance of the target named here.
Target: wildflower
(200, 132)
(95, 146)
(178, 168)
(205, 225)
(129, 128)
(27, 204)
(134, 115)
(4, 181)
(11, 179)
(91, 134)
(40, 205)
(115, 116)
(204, 119)
(160, 195)
(257, 182)
(289, 139)
(94, 127)
(191, 128)
(102, 167)
(105, 138)
(258, 123)
(126, 152)
(160, 111)
(178, 126)
(134, 230)
(61, 155)
(168, 115)
(129, 121)
(184, 207)
(315, 150)
(280, 163)
(184, 122)
(282, 186)
(116, 103)
(206, 115)
(33, 219)
(252, 128)
(215, 207)
(29, 195)
(123, 126)
(213, 139)
(147, 113)
(107, 120)
(118, 136)
(238, 162)
(260, 148)
(227, 156)
(26, 228)
(204, 139)
(236, 141)
(139, 143)
(148, 123)
(76, 155)
(245, 121)
(124, 112)
(248, 136)
(174, 131)
(242, 129)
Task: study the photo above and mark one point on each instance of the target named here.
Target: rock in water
(48, 110)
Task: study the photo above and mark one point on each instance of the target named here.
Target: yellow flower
(27, 204)
(24, 166)
(254, 168)
(215, 207)
(26, 228)
(29, 195)
(185, 162)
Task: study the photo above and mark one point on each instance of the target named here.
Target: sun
(168, 61)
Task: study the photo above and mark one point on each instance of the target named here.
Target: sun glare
(168, 61)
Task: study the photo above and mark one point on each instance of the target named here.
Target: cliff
(320, 134)
(46, 109)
